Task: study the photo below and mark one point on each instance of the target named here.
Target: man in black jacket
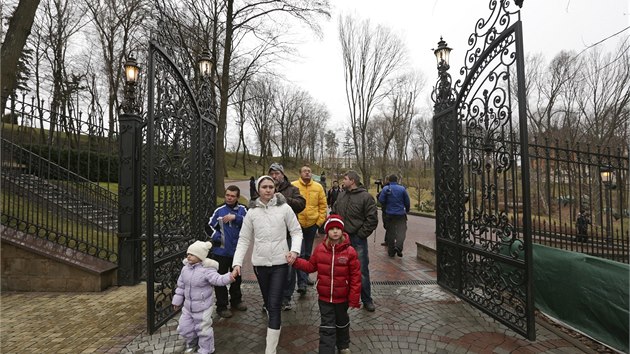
(358, 209)
(333, 193)
(297, 202)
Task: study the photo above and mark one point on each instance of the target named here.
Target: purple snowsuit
(195, 290)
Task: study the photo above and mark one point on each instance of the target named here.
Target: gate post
(448, 175)
(129, 183)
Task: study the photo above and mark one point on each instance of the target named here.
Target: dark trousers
(272, 281)
(396, 232)
(291, 279)
(225, 265)
(335, 327)
(309, 234)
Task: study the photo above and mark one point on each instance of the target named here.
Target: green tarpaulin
(587, 293)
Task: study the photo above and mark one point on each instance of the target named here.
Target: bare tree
(243, 37)
(260, 109)
(239, 103)
(370, 55)
(115, 23)
(13, 44)
(331, 146)
(605, 102)
(288, 101)
(60, 22)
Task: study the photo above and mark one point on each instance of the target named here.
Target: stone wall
(29, 266)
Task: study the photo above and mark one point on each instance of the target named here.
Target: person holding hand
(338, 284)
(265, 226)
(194, 295)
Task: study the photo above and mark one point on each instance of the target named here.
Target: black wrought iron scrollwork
(479, 177)
(179, 167)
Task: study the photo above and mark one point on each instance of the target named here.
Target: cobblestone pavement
(408, 319)
(413, 315)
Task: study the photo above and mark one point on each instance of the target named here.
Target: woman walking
(265, 226)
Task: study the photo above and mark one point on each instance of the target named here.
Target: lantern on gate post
(443, 93)
(205, 64)
(132, 73)
(607, 175)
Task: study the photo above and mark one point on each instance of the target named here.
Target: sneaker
(286, 306)
(398, 252)
(240, 307)
(225, 313)
(369, 306)
(301, 290)
(344, 351)
(309, 282)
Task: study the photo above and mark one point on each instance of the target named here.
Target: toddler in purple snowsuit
(195, 291)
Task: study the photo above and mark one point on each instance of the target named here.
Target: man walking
(333, 193)
(297, 203)
(395, 203)
(311, 218)
(358, 210)
(226, 222)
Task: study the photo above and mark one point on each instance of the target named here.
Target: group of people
(280, 225)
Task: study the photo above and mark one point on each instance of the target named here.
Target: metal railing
(574, 204)
(59, 178)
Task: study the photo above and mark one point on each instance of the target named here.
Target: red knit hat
(333, 220)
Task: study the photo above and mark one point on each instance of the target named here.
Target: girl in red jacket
(338, 285)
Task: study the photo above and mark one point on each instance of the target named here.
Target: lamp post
(607, 174)
(132, 72)
(205, 64)
(443, 93)
(129, 180)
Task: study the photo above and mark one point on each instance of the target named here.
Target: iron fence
(580, 198)
(59, 177)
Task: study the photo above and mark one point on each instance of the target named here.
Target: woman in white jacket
(265, 225)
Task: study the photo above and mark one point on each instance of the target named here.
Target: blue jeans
(271, 281)
(309, 234)
(361, 246)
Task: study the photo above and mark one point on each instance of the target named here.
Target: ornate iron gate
(482, 175)
(178, 167)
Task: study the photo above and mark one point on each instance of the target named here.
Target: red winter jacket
(338, 271)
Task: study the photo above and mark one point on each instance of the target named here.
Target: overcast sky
(548, 27)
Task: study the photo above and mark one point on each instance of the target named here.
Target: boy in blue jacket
(226, 222)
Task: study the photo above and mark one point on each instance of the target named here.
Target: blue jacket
(226, 234)
(394, 199)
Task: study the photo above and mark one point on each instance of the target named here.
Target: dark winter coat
(292, 195)
(358, 210)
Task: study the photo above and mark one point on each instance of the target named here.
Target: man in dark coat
(358, 210)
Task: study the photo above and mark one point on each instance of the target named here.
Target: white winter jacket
(266, 227)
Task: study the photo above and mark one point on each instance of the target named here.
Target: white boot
(273, 336)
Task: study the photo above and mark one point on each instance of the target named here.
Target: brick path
(417, 317)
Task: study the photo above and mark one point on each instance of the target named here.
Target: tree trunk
(220, 172)
(19, 29)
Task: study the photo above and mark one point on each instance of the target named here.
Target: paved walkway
(413, 315)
